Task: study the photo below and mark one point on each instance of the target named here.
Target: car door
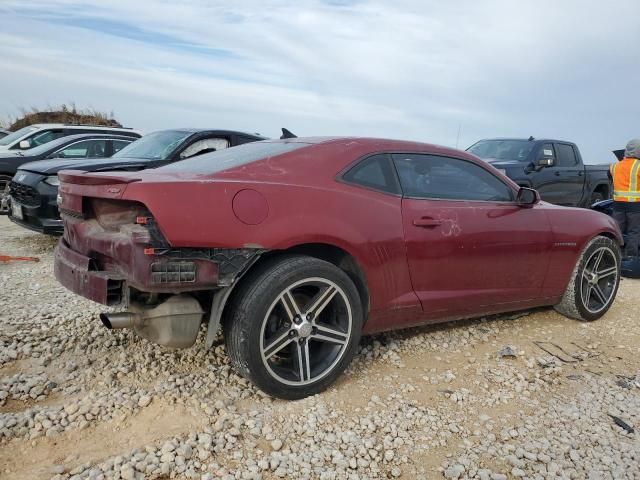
(546, 179)
(562, 182)
(571, 174)
(469, 246)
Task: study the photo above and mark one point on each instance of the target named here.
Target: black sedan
(34, 188)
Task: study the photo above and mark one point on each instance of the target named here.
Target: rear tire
(594, 281)
(294, 326)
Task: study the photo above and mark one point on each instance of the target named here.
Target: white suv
(41, 133)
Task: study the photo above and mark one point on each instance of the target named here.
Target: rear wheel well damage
(223, 297)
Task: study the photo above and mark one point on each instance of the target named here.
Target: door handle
(426, 222)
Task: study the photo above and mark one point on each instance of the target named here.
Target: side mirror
(25, 144)
(527, 197)
(545, 162)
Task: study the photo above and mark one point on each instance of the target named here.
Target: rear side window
(566, 155)
(86, 149)
(375, 172)
(220, 160)
(546, 152)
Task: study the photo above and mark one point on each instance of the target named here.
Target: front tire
(594, 281)
(294, 326)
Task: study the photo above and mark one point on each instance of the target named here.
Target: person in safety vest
(626, 196)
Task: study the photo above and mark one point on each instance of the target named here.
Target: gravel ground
(78, 401)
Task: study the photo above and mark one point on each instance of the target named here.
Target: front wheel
(594, 281)
(294, 326)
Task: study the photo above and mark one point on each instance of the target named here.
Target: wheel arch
(613, 236)
(338, 257)
(603, 188)
(331, 253)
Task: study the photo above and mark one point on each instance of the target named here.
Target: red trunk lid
(76, 185)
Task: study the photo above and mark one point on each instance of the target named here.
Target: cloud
(409, 69)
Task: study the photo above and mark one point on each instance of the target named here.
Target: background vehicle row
(33, 190)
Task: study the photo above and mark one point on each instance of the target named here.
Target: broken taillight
(113, 213)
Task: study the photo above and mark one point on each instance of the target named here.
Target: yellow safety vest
(626, 180)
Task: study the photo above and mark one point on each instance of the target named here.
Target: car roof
(525, 139)
(216, 131)
(114, 136)
(76, 125)
(372, 143)
(85, 136)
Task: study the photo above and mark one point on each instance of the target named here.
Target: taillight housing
(110, 214)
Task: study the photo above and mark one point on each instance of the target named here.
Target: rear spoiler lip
(80, 177)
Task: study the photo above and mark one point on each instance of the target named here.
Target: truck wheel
(594, 281)
(596, 197)
(294, 326)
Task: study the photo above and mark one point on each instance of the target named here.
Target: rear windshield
(220, 160)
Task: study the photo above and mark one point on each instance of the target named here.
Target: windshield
(232, 157)
(502, 149)
(12, 137)
(154, 146)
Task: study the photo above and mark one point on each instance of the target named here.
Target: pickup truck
(553, 167)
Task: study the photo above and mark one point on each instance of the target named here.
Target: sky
(444, 72)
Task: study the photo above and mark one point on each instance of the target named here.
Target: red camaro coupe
(297, 247)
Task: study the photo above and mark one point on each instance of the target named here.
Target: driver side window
(547, 152)
(445, 178)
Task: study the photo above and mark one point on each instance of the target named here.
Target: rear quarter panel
(365, 223)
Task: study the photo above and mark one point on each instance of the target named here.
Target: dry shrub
(68, 114)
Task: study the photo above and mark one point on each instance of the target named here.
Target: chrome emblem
(20, 177)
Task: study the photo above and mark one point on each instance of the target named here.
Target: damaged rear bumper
(105, 266)
(73, 271)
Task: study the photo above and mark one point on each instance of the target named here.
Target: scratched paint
(450, 223)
